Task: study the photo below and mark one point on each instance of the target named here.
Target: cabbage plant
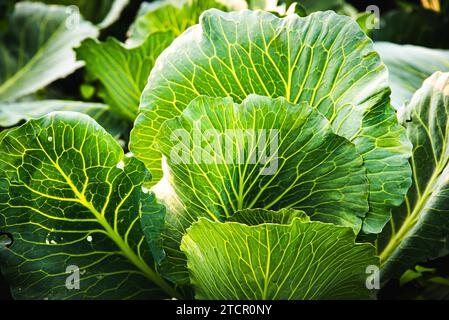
(266, 158)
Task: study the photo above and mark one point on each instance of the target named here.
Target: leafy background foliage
(104, 78)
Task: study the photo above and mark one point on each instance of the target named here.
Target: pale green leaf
(300, 261)
(38, 48)
(324, 60)
(70, 197)
(420, 227)
(307, 167)
(408, 67)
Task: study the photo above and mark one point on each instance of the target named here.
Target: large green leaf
(173, 15)
(123, 72)
(282, 156)
(308, 167)
(420, 227)
(324, 60)
(408, 67)
(37, 49)
(70, 197)
(302, 260)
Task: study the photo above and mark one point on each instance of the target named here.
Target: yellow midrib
(125, 248)
(113, 235)
(410, 221)
(267, 269)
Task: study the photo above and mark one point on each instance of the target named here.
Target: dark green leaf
(71, 199)
(420, 227)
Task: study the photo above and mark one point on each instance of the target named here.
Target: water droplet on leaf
(121, 165)
(50, 139)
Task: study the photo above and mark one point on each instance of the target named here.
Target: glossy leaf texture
(173, 15)
(323, 60)
(123, 71)
(264, 153)
(408, 67)
(299, 260)
(71, 200)
(420, 227)
(38, 48)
